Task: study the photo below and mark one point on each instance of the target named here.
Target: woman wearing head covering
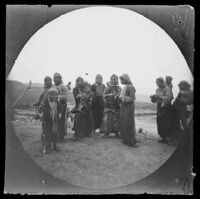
(62, 99)
(50, 120)
(77, 91)
(180, 108)
(83, 114)
(168, 80)
(97, 102)
(127, 120)
(110, 122)
(43, 96)
(163, 99)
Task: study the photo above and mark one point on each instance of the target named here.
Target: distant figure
(111, 115)
(168, 80)
(62, 99)
(83, 114)
(127, 111)
(43, 96)
(50, 120)
(97, 102)
(181, 108)
(68, 86)
(163, 99)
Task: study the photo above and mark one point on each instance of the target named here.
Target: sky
(102, 40)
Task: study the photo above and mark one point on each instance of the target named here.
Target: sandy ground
(97, 162)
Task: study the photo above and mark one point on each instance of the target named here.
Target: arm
(168, 96)
(40, 99)
(63, 93)
(131, 95)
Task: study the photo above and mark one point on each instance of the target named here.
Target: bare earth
(96, 162)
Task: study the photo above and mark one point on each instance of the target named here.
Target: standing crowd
(109, 109)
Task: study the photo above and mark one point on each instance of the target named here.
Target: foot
(163, 141)
(117, 135)
(106, 135)
(55, 148)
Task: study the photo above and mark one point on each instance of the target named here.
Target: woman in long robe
(163, 99)
(111, 116)
(83, 114)
(180, 111)
(62, 99)
(97, 102)
(127, 111)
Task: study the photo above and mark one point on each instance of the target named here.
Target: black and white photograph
(99, 99)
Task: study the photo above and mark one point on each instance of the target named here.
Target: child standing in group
(51, 117)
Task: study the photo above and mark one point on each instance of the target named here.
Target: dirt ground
(96, 162)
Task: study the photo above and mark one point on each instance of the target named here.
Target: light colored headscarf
(48, 78)
(53, 105)
(160, 79)
(58, 74)
(126, 78)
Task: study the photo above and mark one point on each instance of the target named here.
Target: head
(168, 79)
(160, 82)
(79, 81)
(57, 78)
(184, 86)
(52, 95)
(125, 79)
(98, 79)
(47, 82)
(187, 97)
(114, 80)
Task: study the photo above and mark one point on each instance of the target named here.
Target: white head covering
(126, 78)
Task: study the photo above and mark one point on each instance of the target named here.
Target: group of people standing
(98, 107)
(105, 108)
(109, 109)
(173, 116)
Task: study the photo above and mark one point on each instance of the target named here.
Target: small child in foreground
(51, 117)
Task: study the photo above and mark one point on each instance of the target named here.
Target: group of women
(172, 117)
(109, 109)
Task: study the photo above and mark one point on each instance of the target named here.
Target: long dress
(62, 92)
(180, 117)
(50, 125)
(164, 113)
(127, 120)
(111, 115)
(83, 122)
(97, 104)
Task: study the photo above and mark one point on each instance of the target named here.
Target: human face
(168, 80)
(79, 81)
(160, 84)
(47, 82)
(99, 79)
(114, 80)
(56, 79)
(52, 96)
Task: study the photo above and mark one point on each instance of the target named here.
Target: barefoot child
(51, 116)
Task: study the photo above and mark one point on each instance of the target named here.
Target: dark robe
(111, 115)
(180, 115)
(97, 105)
(164, 113)
(127, 118)
(49, 135)
(83, 121)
